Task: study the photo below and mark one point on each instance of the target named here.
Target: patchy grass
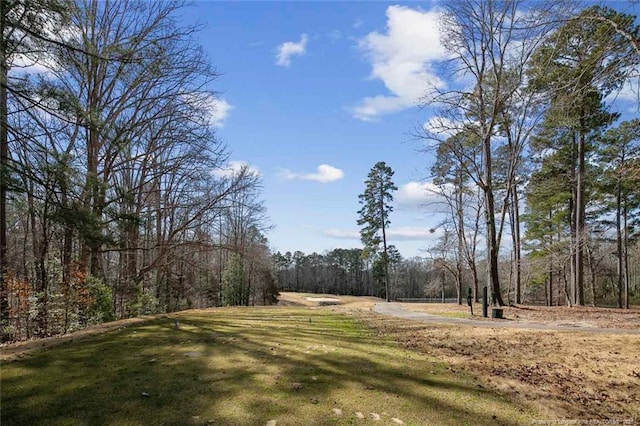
(562, 375)
(245, 366)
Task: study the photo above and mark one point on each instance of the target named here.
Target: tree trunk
(546, 291)
(573, 219)
(619, 254)
(384, 245)
(493, 279)
(551, 263)
(625, 250)
(4, 172)
(460, 215)
(517, 255)
(580, 222)
(472, 256)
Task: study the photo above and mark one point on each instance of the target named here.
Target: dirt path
(399, 311)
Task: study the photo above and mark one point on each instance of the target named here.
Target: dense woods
(116, 197)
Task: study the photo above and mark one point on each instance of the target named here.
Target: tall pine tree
(374, 215)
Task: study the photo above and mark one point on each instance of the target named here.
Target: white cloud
(402, 59)
(342, 234)
(220, 109)
(288, 49)
(393, 234)
(411, 234)
(415, 195)
(443, 127)
(216, 110)
(324, 174)
(22, 64)
(233, 168)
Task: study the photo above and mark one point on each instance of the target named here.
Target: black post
(470, 300)
(485, 302)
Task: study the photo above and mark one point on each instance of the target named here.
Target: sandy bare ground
(572, 375)
(313, 300)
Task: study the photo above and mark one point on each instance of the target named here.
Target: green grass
(243, 366)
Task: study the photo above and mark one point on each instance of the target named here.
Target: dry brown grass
(582, 316)
(569, 375)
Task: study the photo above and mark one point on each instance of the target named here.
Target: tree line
(116, 198)
(353, 272)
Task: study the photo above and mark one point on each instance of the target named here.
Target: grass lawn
(244, 366)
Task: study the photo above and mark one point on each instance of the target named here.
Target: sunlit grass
(243, 366)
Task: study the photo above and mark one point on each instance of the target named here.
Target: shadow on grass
(241, 366)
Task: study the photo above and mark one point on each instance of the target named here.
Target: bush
(145, 303)
(100, 302)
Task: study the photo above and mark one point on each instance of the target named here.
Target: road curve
(397, 310)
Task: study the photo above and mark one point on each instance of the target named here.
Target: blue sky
(312, 95)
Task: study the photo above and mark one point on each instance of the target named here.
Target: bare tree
(490, 42)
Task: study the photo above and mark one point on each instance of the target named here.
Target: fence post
(485, 302)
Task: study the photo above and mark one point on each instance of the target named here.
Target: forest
(117, 198)
(110, 208)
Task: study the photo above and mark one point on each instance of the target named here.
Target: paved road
(399, 311)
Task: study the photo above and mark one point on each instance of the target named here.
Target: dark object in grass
(497, 313)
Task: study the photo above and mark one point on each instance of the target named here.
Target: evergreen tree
(577, 67)
(618, 153)
(374, 214)
(548, 216)
(234, 279)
